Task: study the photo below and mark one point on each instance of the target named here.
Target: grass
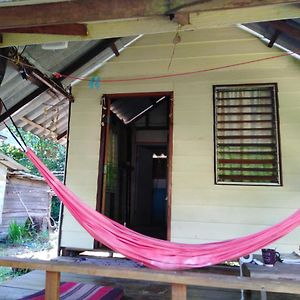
(19, 244)
(6, 273)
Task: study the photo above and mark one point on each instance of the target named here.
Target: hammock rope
(155, 253)
(15, 126)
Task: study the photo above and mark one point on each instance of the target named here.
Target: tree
(51, 153)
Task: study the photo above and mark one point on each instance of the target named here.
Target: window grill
(246, 135)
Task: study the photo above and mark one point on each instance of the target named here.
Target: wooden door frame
(105, 119)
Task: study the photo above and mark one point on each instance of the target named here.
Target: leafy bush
(55, 208)
(17, 233)
(9, 273)
(52, 154)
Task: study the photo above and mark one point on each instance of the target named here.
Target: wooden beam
(32, 123)
(61, 135)
(41, 78)
(179, 292)
(229, 17)
(99, 30)
(162, 24)
(3, 63)
(52, 285)
(66, 29)
(82, 11)
(213, 5)
(174, 277)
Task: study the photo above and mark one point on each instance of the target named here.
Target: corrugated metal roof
(47, 114)
(284, 33)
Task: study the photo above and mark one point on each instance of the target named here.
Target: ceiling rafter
(61, 135)
(38, 126)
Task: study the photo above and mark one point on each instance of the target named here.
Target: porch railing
(178, 279)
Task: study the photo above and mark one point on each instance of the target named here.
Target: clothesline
(59, 75)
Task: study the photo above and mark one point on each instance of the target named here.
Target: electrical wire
(14, 136)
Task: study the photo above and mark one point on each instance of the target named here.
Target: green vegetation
(51, 153)
(24, 238)
(6, 273)
(17, 233)
(9, 273)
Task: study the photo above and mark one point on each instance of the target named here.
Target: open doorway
(135, 161)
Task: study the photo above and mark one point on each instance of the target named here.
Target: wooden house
(160, 164)
(23, 196)
(185, 129)
(182, 121)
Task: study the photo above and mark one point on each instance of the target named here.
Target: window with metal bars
(247, 149)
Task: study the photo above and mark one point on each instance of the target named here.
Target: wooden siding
(19, 192)
(3, 171)
(201, 210)
(83, 157)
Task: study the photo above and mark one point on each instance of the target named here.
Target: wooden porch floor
(35, 280)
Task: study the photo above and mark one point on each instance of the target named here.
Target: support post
(179, 292)
(52, 285)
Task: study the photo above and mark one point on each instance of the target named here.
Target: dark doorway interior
(135, 163)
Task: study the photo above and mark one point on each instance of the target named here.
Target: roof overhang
(41, 105)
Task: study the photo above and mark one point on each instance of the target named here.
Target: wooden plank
(176, 277)
(244, 113)
(278, 271)
(36, 125)
(66, 29)
(244, 121)
(243, 137)
(248, 169)
(246, 161)
(258, 145)
(242, 98)
(82, 11)
(248, 152)
(159, 24)
(229, 4)
(245, 129)
(245, 105)
(248, 177)
(179, 292)
(52, 285)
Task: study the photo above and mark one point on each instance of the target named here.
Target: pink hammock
(155, 253)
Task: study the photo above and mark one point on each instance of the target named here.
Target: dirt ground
(33, 249)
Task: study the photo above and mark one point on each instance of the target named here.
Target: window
(246, 135)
